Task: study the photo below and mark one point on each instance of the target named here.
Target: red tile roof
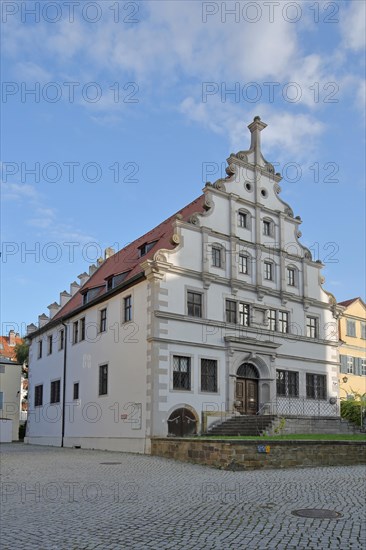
(347, 303)
(6, 350)
(128, 259)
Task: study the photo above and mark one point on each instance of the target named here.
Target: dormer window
(116, 280)
(146, 247)
(91, 294)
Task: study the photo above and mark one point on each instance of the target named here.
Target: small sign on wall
(264, 449)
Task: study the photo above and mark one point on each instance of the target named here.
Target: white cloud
(18, 191)
(294, 135)
(353, 25)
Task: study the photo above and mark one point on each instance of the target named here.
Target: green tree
(22, 353)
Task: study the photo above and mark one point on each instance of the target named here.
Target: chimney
(109, 252)
(53, 309)
(42, 320)
(74, 287)
(64, 297)
(12, 338)
(92, 269)
(84, 277)
(31, 328)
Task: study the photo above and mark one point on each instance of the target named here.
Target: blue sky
(132, 113)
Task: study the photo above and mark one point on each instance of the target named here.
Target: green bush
(351, 410)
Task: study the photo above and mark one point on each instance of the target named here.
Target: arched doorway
(182, 422)
(246, 389)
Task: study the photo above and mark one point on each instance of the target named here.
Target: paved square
(72, 499)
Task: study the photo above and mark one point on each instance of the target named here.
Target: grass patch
(292, 437)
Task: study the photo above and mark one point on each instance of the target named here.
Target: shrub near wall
(351, 410)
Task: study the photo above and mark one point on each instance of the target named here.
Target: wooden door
(246, 396)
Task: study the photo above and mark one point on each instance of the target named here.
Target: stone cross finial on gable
(255, 128)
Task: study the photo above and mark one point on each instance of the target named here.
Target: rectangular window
(82, 329)
(1, 400)
(266, 228)
(244, 314)
(216, 256)
(243, 219)
(350, 365)
(194, 304)
(283, 321)
(351, 328)
(208, 375)
(127, 309)
(291, 277)
(40, 349)
(316, 386)
(38, 395)
(49, 344)
(363, 367)
(103, 320)
(287, 383)
(181, 373)
(61, 339)
(272, 319)
(311, 327)
(268, 271)
(55, 391)
(75, 393)
(75, 332)
(243, 264)
(230, 311)
(103, 379)
(363, 331)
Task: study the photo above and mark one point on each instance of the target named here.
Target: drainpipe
(64, 388)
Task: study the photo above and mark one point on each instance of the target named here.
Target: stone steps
(242, 425)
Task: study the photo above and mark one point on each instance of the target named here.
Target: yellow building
(352, 335)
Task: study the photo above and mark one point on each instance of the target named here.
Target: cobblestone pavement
(56, 498)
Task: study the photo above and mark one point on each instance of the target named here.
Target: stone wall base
(260, 454)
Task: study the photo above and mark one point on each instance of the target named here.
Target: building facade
(219, 310)
(352, 335)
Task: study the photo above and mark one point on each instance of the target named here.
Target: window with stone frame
(209, 375)
(363, 330)
(103, 320)
(291, 276)
(194, 303)
(231, 311)
(103, 379)
(312, 327)
(75, 332)
(351, 328)
(287, 383)
(82, 329)
(268, 271)
(350, 364)
(216, 256)
(181, 372)
(243, 264)
(55, 391)
(283, 323)
(363, 367)
(272, 319)
(243, 219)
(50, 344)
(127, 308)
(38, 395)
(244, 314)
(316, 386)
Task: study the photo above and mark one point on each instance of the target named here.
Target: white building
(10, 376)
(217, 309)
